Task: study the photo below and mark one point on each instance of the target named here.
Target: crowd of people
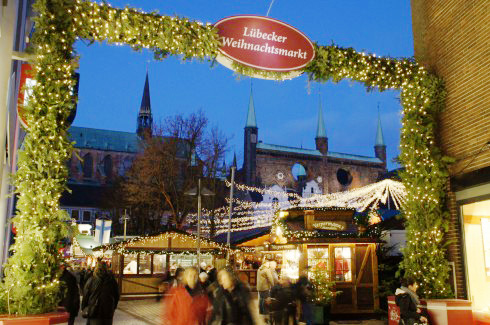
(205, 295)
(197, 296)
(99, 290)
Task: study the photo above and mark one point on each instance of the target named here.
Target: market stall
(305, 239)
(143, 263)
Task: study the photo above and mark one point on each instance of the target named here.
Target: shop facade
(304, 240)
(142, 264)
(450, 40)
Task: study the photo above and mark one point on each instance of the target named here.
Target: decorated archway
(31, 283)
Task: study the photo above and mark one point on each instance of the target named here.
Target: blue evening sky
(112, 77)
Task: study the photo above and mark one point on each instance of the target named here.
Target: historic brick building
(105, 154)
(308, 171)
(451, 39)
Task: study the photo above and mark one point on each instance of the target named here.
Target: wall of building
(451, 39)
(318, 169)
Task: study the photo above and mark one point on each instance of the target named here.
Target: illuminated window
(144, 264)
(318, 259)
(130, 264)
(343, 264)
(159, 262)
(290, 264)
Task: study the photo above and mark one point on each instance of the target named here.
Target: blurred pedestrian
(265, 281)
(406, 298)
(282, 303)
(232, 304)
(70, 293)
(203, 280)
(186, 304)
(100, 297)
(304, 293)
(178, 278)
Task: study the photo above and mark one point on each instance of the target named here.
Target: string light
(41, 176)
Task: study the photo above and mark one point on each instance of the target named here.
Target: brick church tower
(145, 118)
(250, 145)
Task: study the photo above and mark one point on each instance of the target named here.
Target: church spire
(233, 164)
(379, 145)
(320, 128)
(145, 118)
(321, 140)
(380, 140)
(251, 120)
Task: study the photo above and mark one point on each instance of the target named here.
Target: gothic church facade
(308, 171)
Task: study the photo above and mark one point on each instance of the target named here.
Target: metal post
(125, 218)
(230, 210)
(199, 223)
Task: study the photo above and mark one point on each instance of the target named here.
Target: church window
(299, 172)
(88, 162)
(108, 166)
(344, 177)
(312, 190)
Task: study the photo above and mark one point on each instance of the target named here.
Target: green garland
(31, 284)
(425, 175)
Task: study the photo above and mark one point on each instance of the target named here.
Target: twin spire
(320, 128)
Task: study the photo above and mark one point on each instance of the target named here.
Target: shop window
(318, 259)
(130, 264)
(290, 264)
(343, 264)
(144, 264)
(159, 263)
(87, 216)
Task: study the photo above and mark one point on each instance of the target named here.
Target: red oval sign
(264, 43)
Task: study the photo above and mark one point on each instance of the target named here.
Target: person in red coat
(187, 304)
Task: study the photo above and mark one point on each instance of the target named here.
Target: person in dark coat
(231, 304)
(406, 298)
(70, 294)
(100, 296)
(282, 303)
(304, 293)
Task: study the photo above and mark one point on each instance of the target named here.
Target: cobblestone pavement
(143, 312)
(135, 312)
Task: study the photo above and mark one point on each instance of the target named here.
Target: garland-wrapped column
(31, 284)
(425, 175)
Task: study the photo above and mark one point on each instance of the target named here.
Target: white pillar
(8, 23)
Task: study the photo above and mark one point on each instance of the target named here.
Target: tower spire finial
(251, 120)
(320, 128)
(145, 117)
(380, 140)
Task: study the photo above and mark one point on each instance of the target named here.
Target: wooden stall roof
(256, 241)
(168, 240)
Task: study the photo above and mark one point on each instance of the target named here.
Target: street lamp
(199, 192)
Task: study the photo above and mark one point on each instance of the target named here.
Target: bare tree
(172, 159)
